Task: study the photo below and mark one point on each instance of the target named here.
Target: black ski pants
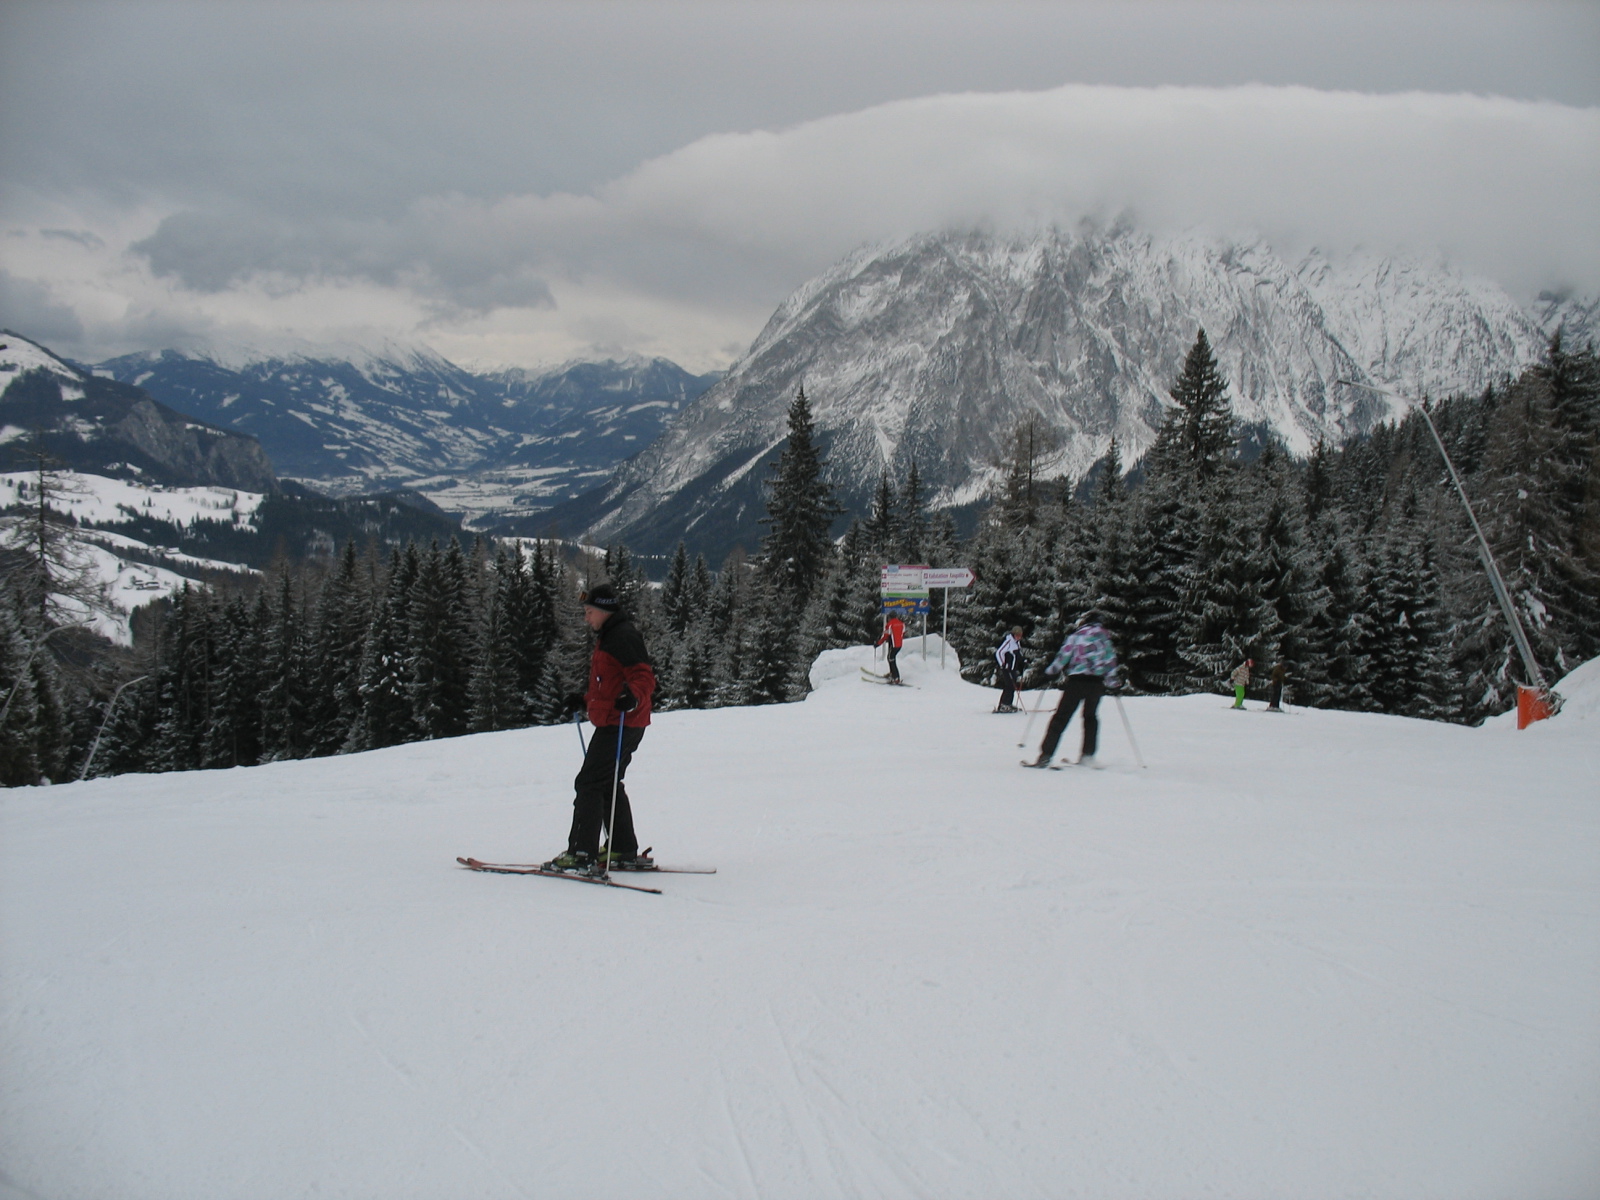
(1008, 687)
(591, 803)
(1085, 688)
(894, 653)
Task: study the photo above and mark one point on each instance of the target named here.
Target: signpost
(905, 588)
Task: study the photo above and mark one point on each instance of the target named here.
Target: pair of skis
(473, 864)
(874, 677)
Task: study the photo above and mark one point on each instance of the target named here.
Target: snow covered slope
(131, 571)
(1310, 955)
(933, 350)
(111, 428)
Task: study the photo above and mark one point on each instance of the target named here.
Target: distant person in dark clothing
(621, 683)
(1280, 676)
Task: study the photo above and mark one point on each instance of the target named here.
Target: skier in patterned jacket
(1090, 665)
(621, 683)
(1241, 680)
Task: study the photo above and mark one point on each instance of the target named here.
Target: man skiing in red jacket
(894, 632)
(621, 683)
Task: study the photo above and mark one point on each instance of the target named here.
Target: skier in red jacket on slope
(621, 683)
(894, 632)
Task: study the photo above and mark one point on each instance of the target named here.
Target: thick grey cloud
(346, 106)
(522, 177)
(745, 216)
(26, 306)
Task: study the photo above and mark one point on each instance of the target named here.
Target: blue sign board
(905, 605)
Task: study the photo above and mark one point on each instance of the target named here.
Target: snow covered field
(114, 560)
(1312, 955)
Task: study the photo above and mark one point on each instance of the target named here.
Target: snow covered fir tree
(1355, 568)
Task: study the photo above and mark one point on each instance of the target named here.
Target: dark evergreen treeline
(1357, 569)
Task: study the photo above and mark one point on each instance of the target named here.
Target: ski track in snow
(1342, 954)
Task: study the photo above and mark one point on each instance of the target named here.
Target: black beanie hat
(603, 597)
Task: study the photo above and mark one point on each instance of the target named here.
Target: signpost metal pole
(944, 636)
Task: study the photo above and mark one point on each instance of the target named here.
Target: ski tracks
(440, 1108)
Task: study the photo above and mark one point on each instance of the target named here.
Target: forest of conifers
(1356, 568)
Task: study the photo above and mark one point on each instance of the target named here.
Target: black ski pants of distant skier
(1085, 688)
(1008, 687)
(894, 652)
(591, 803)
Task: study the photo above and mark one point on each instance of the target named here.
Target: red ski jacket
(894, 631)
(619, 661)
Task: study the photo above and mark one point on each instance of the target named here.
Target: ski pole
(1026, 729)
(1128, 729)
(577, 723)
(616, 783)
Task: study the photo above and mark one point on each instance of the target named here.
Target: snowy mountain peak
(19, 355)
(934, 348)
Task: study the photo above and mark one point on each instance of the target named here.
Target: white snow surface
(1310, 955)
(20, 356)
(128, 582)
(96, 498)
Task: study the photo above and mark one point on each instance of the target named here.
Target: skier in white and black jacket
(1009, 657)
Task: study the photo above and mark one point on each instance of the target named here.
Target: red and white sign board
(903, 579)
(947, 577)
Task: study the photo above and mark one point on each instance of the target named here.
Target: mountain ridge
(478, 444)
(932, 349)
(107, 427)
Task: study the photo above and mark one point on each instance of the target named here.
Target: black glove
(624, 701)
(575, 703)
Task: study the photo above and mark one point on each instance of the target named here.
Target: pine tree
(342, 618)
(1229, 616)
(493, 692)
(1022, 493)
(283, 699)
(800, 511)
(534, 628)
(1145, 591)
(184, 683)
(385, 703)
(45, 568)
(1015, 586)
(20, 719)
(1110, 490)
(878, 531)
(233, 736)
(768, 663)
(1339, 638)
(1196, 436)
(437, 648)
(725, 616)
(692, 667)
(912, 533)
(675, 593)
(1411, 654)
(1289, 583)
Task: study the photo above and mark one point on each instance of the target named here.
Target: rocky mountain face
(933, 350)
(486, 446)
(104, 427)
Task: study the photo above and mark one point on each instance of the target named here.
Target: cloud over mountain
(703, 242)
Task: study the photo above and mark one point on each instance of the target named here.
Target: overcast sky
(522, 183)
